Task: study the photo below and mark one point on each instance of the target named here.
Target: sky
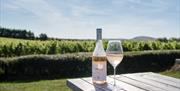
(79, 18)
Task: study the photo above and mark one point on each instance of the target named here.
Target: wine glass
(114, 54)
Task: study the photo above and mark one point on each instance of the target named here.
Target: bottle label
(99, 70)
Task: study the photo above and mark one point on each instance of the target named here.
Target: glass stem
(114, 76)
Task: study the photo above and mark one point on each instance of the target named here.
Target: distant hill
(143, 38)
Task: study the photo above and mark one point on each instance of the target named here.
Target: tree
(16, 33)
(43, 36)
(163, 39)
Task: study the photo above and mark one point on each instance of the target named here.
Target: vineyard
(10, 47)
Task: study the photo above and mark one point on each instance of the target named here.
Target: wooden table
(148, 81)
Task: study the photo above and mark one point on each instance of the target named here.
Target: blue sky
(80, 18)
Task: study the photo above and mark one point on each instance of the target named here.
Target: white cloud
(52, 20)
(79, 10)
(131, 27)
(81, 24)
(38, 7)
(143, 6)
(10, 7)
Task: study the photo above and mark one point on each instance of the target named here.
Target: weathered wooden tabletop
(148, 81)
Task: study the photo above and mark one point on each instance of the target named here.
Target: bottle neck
(99, 40)
(99, 34)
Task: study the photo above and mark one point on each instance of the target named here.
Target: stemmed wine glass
(114, 54)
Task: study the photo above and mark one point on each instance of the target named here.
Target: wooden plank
(152, 82)
(139, 84)
(109, 87)
(177, 61)
(128, 82)
(81, 85)
(125, 86)
(106, 87)
(120, 84)
(164, 77)
(160, 80)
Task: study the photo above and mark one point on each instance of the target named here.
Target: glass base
(115, 88)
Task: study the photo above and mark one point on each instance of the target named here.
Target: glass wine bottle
(99, 62)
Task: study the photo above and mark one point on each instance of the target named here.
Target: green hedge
(79, 64)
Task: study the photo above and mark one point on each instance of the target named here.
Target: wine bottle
(99, 62)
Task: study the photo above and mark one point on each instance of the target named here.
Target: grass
(175, 74)
(53, 85)
(43, 85)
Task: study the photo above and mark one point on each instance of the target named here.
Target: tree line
(21, 34)
(24, 34)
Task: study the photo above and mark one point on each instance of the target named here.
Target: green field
(10, 47)
(175, 74)
(52, 85)
(43, 85)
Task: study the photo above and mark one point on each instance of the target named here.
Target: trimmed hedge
(79, 64)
